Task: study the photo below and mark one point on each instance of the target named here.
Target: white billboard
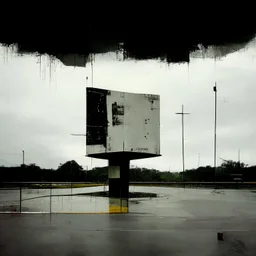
(120, 122)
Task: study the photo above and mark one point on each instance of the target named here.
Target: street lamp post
(23, 162)
(215, 132)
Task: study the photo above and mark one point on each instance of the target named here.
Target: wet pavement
(170, 201)
(179, 222)
(61, 201)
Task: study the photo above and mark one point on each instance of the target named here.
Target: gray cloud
(39, 109)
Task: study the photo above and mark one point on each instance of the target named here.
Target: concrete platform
(183, 223)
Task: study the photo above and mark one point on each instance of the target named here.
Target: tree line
(71, 171)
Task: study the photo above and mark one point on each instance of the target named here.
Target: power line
(78, 134)
(8, 162)
(10, 154)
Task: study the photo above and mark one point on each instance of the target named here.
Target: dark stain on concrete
(131, 194)
(117, 114)
(151, 98)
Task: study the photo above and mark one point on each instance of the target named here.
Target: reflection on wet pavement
(176, 202)
(177, 222)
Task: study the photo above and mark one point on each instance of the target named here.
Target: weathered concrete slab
(181, 222)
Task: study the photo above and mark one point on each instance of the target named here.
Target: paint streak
(118, 205)
(118, 209)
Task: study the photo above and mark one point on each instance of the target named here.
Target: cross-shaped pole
(182, 113)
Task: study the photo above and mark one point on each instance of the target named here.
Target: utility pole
(23, 162)
(70, 166)
(241, 171)
(23, 157)
(86, 171)
(215, 130)
(198, 160)
(182, 113)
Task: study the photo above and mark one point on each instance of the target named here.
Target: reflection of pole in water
(51, 197)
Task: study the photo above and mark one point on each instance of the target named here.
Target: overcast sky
(41, 104)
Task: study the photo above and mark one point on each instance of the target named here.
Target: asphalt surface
(184, 223)
(85, 234)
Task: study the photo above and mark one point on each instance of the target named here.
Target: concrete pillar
(118, 175)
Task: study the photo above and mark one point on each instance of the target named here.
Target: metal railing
(14, 194)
